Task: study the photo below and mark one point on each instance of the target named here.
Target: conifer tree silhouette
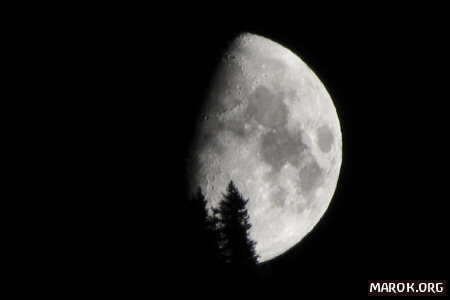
(219, 242)
(204, 234)
(213, 239)
(197, 227)
(236, 247)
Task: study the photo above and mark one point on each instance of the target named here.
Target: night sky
(388, 79)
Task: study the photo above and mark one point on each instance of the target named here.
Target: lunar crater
(272, 128)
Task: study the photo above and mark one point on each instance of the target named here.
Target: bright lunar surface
(268, 124)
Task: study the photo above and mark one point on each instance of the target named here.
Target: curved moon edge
(269, 125)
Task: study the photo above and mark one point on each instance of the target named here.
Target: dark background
(388, 218)
(387, 75)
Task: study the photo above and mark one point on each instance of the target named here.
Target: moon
(269, 124)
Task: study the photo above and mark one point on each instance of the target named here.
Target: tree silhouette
(203, 235)
(218, 239)
(196, 227)
(236, 248)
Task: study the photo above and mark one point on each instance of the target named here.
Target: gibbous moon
(268, 124)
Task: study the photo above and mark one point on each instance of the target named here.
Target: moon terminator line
(269, 125)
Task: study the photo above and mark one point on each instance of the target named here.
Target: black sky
(388, 79)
